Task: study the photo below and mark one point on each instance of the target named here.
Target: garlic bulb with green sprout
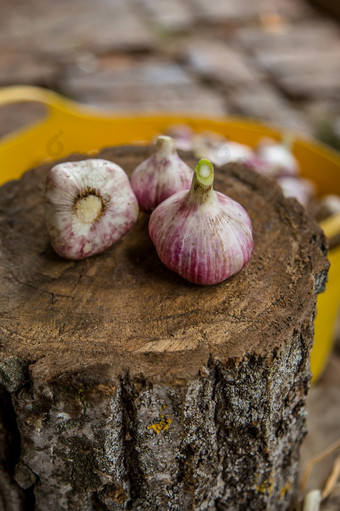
(200, 233)
(160, 176)
(89, 205)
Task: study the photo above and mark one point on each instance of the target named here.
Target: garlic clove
(160, 176)
(201, 234)
(89, 205)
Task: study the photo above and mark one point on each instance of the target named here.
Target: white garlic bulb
(89, 205)
(276, 159)
(232, 152)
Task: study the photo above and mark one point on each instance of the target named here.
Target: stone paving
(273, 60)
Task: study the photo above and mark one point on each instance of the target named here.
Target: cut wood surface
(134, 389)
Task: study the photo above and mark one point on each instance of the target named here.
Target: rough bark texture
(126, 387)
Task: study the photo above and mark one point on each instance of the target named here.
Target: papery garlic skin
(203, 235)
(89, 205)
(160, 176)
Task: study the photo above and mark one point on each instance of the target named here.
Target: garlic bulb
(223, 152)
(299, 188)
(202, 234)
(276, 159)
(231, 152)
(160, 176)
(89, 205)
(219, 150)
(182, 135)
(206, 143)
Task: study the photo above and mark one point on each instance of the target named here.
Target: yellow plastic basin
(70, 127)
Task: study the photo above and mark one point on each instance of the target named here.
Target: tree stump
(126, 387)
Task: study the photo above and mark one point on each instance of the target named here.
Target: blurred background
(273, 60)
(276, 61)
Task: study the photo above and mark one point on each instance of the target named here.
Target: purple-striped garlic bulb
(202, 234)
(160, 176)
(89, 205)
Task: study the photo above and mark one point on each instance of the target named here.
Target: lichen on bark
(232, 444)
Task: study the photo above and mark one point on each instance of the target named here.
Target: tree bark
(130, 388)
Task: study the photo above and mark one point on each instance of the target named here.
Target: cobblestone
(168, 15)
(244, 11)
(291, 9)
(216, 60)
(144, 85)
(19, 115)
(303, 59)
(222, 11)
(308, 35)
(264, 103)
(56, 28)
(297, 74)
(26, 68)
